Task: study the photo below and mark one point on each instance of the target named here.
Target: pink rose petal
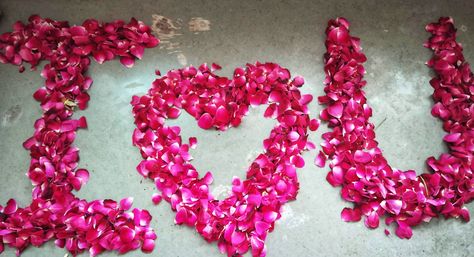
(320, 159)
(205, 121)
(127, 234)
(156, 198)
(362, 157)
(350, 215)
(148, 245)
(335, 110)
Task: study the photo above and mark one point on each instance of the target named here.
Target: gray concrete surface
(290, 33)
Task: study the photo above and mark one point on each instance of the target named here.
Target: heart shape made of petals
(248, 214)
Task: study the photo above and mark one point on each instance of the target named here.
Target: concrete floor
(290, 33)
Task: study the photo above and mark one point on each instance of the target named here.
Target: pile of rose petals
(55, 212)
(249, 213)
(357, 163)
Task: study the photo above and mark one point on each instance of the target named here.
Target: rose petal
(403, 230)
(205, 121)
(362, 157)
(335, 110)
(137, 51)
(237, 238)
(320, 159)
(156, 198)
(127, 61)
(148, 245)
(127, 234)
(126, 203)
(11, 207)
(350, 215)
(298, 161)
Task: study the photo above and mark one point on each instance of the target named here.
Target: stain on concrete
(221, 192)
(169, 29)
(252, 155)
(199, 24)
(134, 85)
(182, 59)
(291, 219)
(12, 115)
(165, 28)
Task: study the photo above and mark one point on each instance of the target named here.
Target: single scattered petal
(314, 124)
(192, 142)
(156, 198)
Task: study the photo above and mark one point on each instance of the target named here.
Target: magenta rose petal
(137, 51)
(11, 207)
(126, 203)
(451, 138)
(339, 35)
(320, 159)
(83, 175)
(314, 124)
(127, 61)
(237, 238)
(336, 110)
(403, 231)
(222, 115)
(350, 215)
(298, 161)
(127, 234)
(372, 220)
(205, 121)
(192, 142)
(181, 216)
(99, 56)
(362, 157)
(148, 245)
(156, 198)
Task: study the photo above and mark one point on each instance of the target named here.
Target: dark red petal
(127, 61)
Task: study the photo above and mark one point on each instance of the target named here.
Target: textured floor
(290, 33)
